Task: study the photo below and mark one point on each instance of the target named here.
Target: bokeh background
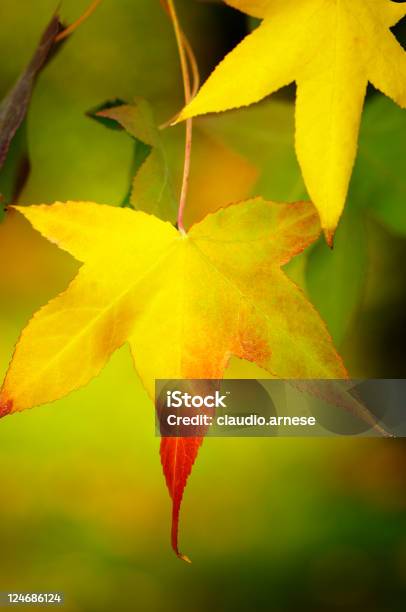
(270, 524)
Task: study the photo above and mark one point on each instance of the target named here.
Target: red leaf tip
(6, 406)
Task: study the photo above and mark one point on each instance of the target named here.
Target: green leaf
(96, 113)
(263, 134)
(141, 150)
(152, 189)
(335, 278)
(379, 180)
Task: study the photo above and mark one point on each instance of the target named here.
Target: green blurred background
(270, 524)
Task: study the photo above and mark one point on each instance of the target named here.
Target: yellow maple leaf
(331, 48)
(185, 303)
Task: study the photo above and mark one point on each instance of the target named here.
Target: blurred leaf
(379, 181)
(263, 134)
(141, 150)
(152, 189)
(209, 189)
(335, 278)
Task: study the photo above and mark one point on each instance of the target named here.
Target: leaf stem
(73, 26)
(185, 53)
